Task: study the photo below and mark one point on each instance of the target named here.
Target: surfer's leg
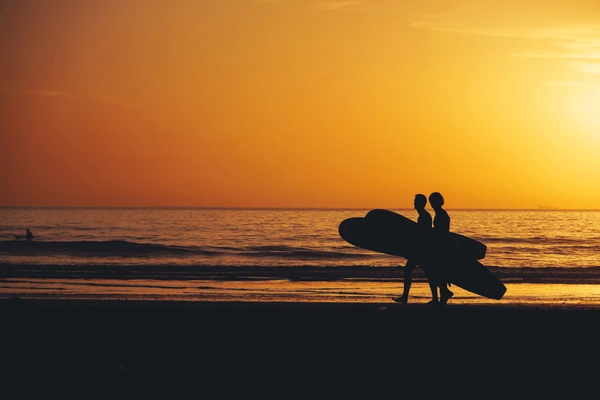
(434, 295)
(408, 271)
(445, 293)
(431, 280)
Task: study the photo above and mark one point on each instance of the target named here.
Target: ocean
(272, 254)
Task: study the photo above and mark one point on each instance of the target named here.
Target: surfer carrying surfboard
(424, 220)
(436, 252)
(441, 228)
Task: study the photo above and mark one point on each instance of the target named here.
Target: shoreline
(288, 291)
(114, 272)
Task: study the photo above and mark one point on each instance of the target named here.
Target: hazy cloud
(41, 93)
(320, 5)
(572, 41)
(570, 84)
(57, 93)
(587, 67)
(264, 1)
(336, 5)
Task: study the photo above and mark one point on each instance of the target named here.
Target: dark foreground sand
(287, 350)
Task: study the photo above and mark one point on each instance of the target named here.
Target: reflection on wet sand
(283, 290)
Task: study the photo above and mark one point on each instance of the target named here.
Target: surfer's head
(436, 199)
(420, 201)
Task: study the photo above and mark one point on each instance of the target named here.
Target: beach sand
(323, 350)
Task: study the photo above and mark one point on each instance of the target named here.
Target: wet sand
(126, 348)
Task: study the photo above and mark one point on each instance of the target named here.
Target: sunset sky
(300, 103)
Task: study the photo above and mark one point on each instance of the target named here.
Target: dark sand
(130, 349)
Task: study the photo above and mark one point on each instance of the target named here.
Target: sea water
(292, 245)
(276, 237)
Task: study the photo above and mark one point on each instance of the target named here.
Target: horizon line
(541, 208)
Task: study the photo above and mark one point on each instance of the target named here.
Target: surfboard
(409, 240)
(471, 247)
(22, 237)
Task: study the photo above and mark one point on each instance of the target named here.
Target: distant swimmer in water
(28, 236)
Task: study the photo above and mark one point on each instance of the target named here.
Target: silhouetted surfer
(28, 236)
(441, 228)
(424, 220)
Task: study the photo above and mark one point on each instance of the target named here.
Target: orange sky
(299, 103)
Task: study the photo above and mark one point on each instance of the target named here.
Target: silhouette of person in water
(424, 220)
(28, 235)
(441, 229)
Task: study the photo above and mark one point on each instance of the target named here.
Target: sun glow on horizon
(300, 104)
